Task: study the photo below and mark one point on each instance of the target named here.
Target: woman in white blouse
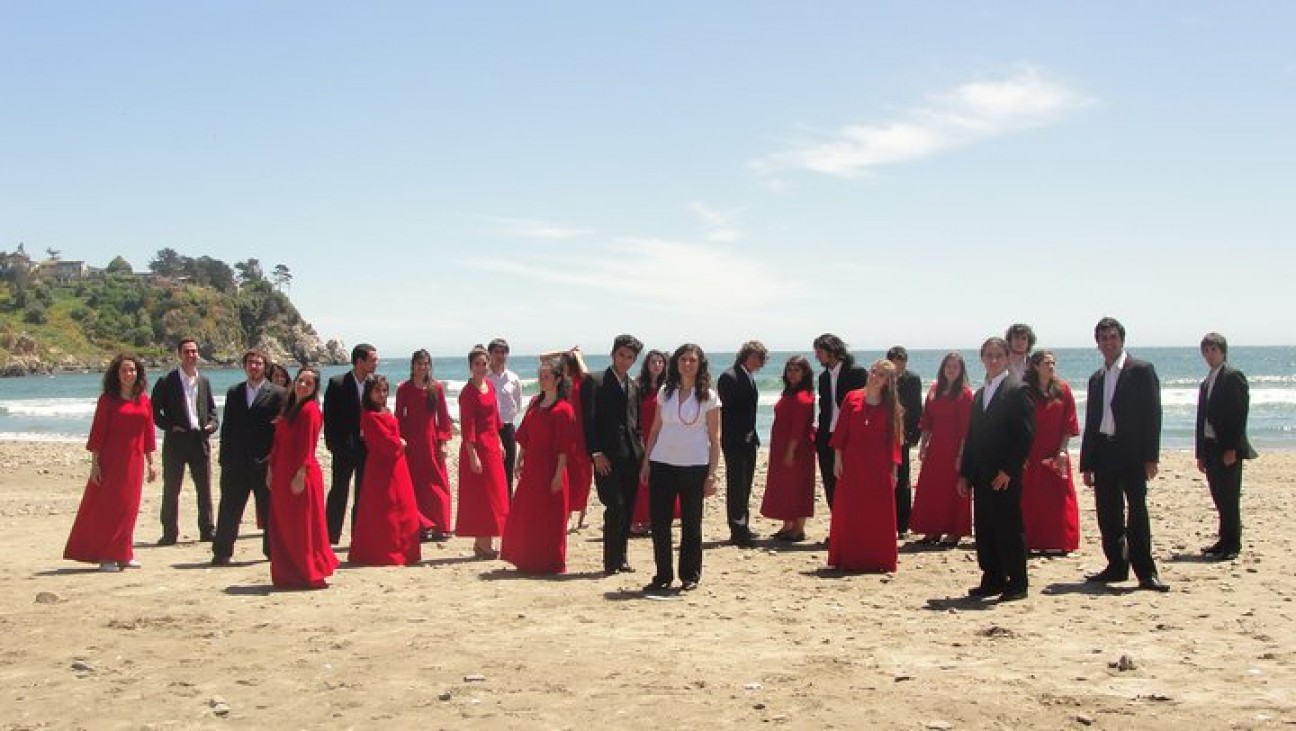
(683, 450)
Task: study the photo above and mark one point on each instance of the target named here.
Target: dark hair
(434, 386)
(834, 346)
(995, 342)
(891, 399)
(183, 341)
(274, 369)
(361, 352)
(112, 376)
(1021, 328)
(1106, 324)
(561, 381)
(371, 384)
(1033, 377)
(702, 385)
(1217, 340)
(898, 352)
(953, 388)
(647, 387)
(626, 341)
(498, 344)
(292, 406)
(806, 383)
(749, 348)
(255, 353)
(475, 351)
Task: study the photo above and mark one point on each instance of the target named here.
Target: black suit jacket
(1226, 409)
(342, 415)
(247, 431)
(611, 416)
(738, 402)
(169, 409)
(909, 390)
(1136, 407)
(998, 437)
(848, 380)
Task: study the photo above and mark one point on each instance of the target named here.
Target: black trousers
(903, 492)
(237, 481)
(665, 483)
(509, 442)
(740, 471)
(827, 458)
(345, 465)
(1226, 490)
(1000, 535)
(617, 490)
(190, 449)
(1125, 543)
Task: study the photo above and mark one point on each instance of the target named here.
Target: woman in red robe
(649, 382)
(121, 443)
(938, 508)
(483, 487)
(300, 554)
(535, 537)
(580, 468)
(1049, 508)
(790, 479)
(426, 428)
(870, 430)
(388, 529)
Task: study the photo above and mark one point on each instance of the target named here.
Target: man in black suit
(183, 408)
(840, 376)
(612, 437)
(1223, 403)
(247, 433)
(1119, 453)
(994, 453)
(342, 435)
(909, 391)
(738, 439)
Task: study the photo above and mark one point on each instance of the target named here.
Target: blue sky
(437, 174)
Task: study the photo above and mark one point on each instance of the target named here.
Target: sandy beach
(768, 638)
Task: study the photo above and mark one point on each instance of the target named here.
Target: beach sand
(768, 638)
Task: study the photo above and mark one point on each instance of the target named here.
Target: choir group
(997, 458)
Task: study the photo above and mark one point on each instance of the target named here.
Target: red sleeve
(150, 432)
(803, 415)
(565, 431)
(849, 405)
(402, 408)
(925, 421)
(380, 432)
(99, 427)
(444, 432)
(1069, 411)
(305, 433)
(468, 414)
(963, 414)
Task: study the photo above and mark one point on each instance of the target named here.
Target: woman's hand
(644, 473)
(556, 484)
(96, 474)
(152, 472)
(709, 486)
(474, 462)
(298, 485)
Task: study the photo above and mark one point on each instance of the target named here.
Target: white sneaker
(131, 564)
(109, 567)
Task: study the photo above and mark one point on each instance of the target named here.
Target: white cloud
(721, 225)
(968, 114)
(523, 228)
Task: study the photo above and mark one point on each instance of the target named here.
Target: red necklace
(679, 409)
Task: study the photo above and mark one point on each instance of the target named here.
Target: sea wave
(55, 408)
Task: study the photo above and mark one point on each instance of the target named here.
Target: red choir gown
(300, 554)
(789, 489)
(388, 529)
(938, 509)
(647, 413)
(535, 537)
(483, 496)
(1049, 508)
(580, 468)
(862, 534)
(424, 425)
(104, 529)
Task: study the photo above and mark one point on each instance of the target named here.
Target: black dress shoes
(985, 590)
(1226, 555)
(1212, 549)
(743, 540)
(624, 568)
(1012, 595)
(658, 587)
(689, 586)
(166, 541)
(1107, 576)
(1154, 583)
(220, 561)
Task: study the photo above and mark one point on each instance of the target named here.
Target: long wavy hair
(1033, 377)
(562, 384)
(648, 387)
(891, 399)
(943, 385)
(292, 406)
(807, 379)
(433, 385)
(112, 376)
(701, 386)
(371, 384)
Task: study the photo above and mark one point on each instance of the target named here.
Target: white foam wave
(6, 436)
(55, 408)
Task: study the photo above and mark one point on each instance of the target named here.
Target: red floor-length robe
(790, 489)
(122, 433)
(424, 426)
(647, 414)
(483, 496)
(535, 537)
(862, 535)
(1049, 508)
(300, 554)
(938, 509)
(580, 469)
(388, 529)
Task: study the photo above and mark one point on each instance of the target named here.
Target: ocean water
(60, 407)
